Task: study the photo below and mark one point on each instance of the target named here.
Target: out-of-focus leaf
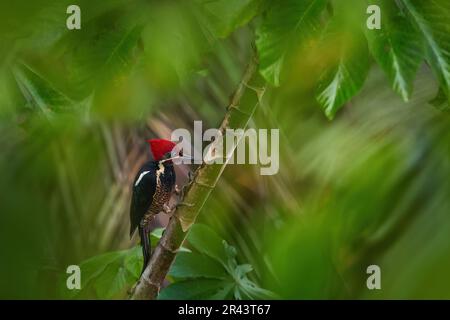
(431, 18)
(430, 266)
(224, 293)
(7, 93)
(173, 28)
(244, 288)
(194, 289)
(39, 91)
(195, 265)
(441, 101)
(286, 24)
(119, 59)
(133, 261)
(344, 73)
(109, 275)
(222, 17)
(205, 265)
(397, 47)
(206, 241)
(102, 55)
(113, 282)
(299, 255)
(95, 266)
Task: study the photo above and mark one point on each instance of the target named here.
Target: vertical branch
(243, 104)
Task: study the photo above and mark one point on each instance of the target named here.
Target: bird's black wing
(144, 187)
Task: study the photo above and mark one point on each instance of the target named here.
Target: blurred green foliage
(213, 261)
(210, 267)
(371, 187)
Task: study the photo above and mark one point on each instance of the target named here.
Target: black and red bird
(152, 188)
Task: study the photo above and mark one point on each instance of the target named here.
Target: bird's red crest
(159, 147)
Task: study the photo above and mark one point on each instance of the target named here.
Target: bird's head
(166, 151)
(161, 149)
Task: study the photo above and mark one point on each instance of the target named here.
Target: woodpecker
(152, 189)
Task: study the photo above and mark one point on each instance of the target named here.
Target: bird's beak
(179, 157)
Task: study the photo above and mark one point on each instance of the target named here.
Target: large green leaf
(100, 57)
(432, 19)
(222, 17)
(195, 289)
(195, 265)
(347, 67)
(244, 288)
(206, 241)
(173, 28)
(39, 91)
(109, 275)
(213, 259)
(440, 101)
(133, 261)
(114, 282)
(397, 47)
(95, 266)
(286, 24)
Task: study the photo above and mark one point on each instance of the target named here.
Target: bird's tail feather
(146, 246)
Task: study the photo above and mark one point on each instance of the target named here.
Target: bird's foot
(190, 176)
(168, 209)
(177, 190)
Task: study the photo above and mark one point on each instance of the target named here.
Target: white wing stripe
(140, 177)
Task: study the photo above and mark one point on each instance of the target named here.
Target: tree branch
(243, 104)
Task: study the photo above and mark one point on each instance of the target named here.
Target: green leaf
(205, 264)
(113, 282)
(133, 261)
(120, 57)
(346, 71)
(286, 24)
(94, 266)
(397, 47)
(249, 290)
(90, 269)
(102, 55)
(157, 233)
(194, 289)
(39, 91)
(206, 241)
(222, 17)
(244, 288)
(173, 28)
(195, 265)
(441, 101)
(432, 20)
(224, 293)
(109, 275)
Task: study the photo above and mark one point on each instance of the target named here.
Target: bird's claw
(190, 176)
(177, 190)
(168, 209)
